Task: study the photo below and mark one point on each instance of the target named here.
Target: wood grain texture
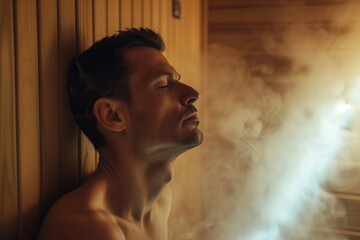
(49, 101)
(147, 13)
(155, 15)
(113, 16)
(8, 155)
(28, 130)
(43, 153)
(68, 166)
(170, 24)
(100, 19)
(137, 13)
(163, 20)
(85, 38)
(126, 14)
(263, 3)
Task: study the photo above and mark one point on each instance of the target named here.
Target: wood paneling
(68, 134)
(263, 3)
(147, 12)
(155, 15)
(100, 19)
(137, 13)
(28, 129)
(85, 38)
(49, 100)
(126, 14)
(8, 150)
(43, 154)
(113, 16)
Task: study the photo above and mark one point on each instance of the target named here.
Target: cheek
(159, 106)
(161, 109)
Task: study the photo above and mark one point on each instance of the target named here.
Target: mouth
(191, 118)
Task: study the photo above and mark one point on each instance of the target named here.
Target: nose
(190, 95)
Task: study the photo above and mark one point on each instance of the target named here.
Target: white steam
(276, 131)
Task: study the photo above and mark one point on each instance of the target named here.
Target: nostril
(191, 100)
(192, 97)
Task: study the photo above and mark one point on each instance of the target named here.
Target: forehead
(148, 61)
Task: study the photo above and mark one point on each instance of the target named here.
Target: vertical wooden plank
(164, 26)
(172, 41)
(113, 16)
(84, 24)
(26, 45)
(205, 26)
(8, 156)
(147, 13)
(193, 17)
(49, 101)
(68, 168)
(137, 13)
(126, 14)
(85, 40)
(155, 15)
(99, 19)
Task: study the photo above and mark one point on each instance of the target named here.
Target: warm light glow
(344, 107)
(274, 148)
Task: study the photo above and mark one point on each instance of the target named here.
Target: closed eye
(162, 85)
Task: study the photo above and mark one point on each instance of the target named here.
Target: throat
(157, 175)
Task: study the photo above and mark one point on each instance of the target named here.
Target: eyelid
(161, 84)
(165, 80)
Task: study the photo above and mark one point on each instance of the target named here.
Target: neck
(133, 185)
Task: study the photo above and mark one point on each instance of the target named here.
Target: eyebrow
(175, 75)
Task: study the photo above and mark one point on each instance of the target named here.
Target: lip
(192, 117)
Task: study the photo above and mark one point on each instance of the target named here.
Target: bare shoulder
(68, 220)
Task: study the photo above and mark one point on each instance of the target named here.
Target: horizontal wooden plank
(275, 14)
(262, 3)
(346, 180)
(351, 222)
(350, 235)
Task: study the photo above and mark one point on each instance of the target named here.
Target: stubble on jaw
(157, 150)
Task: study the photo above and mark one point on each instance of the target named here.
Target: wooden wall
(239, 23)
(43, 154)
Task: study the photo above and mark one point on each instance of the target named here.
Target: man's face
(163, 120)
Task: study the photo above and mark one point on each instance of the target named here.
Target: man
(131, 104)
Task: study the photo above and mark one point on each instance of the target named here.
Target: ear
(110, 114)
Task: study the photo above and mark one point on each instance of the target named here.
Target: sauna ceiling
(256, 3)
(240, 18)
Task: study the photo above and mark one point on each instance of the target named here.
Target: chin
(195, 139)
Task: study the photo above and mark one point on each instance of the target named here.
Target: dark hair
(101, 71)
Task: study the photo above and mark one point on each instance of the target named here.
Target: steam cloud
(277, 130)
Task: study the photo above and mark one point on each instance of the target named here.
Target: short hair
(102, 71)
